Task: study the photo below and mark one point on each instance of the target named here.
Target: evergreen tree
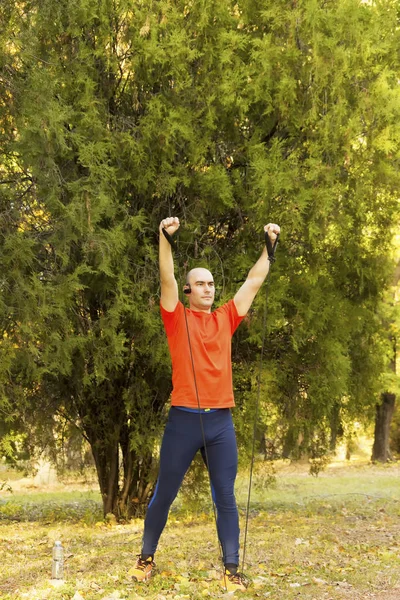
(228, 115)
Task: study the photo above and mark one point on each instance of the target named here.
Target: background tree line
(117, 113)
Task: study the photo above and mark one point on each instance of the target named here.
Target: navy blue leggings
(182, 439)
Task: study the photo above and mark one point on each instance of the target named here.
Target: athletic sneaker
(143, 569)
(234, 582)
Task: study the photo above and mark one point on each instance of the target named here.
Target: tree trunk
(336, 427)
(385, 410)
(292, 442)
(124, 494)
(138, 481)
(107, 466)
(384, 413)
(101, 412)
(383, 417)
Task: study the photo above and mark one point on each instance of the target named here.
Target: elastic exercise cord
(254, 431)
(271, 257)
(205, 446)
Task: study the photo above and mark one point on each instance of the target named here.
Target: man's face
(202, 285)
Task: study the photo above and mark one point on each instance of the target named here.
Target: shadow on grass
(50, 511)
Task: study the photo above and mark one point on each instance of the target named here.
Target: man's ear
(187, 289)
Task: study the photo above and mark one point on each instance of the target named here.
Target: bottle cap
(58, 543)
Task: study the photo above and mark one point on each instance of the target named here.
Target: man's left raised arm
(257, 274)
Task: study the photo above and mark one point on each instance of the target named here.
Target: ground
(333, 537)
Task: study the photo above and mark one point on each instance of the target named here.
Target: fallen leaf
(320, 581)
(299, 541)
(343, 584)
(95, 586)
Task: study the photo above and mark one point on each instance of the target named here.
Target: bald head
(199, 274)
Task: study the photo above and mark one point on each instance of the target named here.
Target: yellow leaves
(110, 520)
(333, 552)
(33, 218)
(166, 574)
(181, 580)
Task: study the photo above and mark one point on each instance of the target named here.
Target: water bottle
(57, 568)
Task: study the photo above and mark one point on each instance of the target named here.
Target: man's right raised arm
(169, 286)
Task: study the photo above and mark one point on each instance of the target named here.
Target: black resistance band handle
(169, 238)
(271, 249)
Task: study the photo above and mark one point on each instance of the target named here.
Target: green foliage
(229, 115)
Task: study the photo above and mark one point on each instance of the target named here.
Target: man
(201, 400)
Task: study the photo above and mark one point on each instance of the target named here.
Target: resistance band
(271, 249)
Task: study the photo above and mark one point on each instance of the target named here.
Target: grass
(332, 537)
(51, 506)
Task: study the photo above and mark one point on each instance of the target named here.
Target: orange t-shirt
(210, 340)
